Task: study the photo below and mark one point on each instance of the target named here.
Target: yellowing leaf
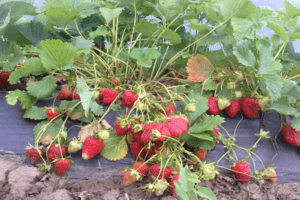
(198, 68)
(115, 147)
(88, 131)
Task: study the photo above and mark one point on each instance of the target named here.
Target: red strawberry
(201, 153)
(91, 148)
(176, 126)
(216, 81)
(22, 63)
(4, 76)
(100, 97)
(249, 106)
(156, 132)
(33, 154)
(31, 79)
(102, 46)
(129, 178)
(173, 179)
(154, 149)
(109, 96)
(129, 98)
(74, 95)
(161, 173)
(115, 82)
(136, 148)
(54, 151)
(121, 127)
(213, 107)
(64, 94)
(61, 166)
(215, 134)
(51, 113)
(241, 171)
(174, 74)
(141, 168)
(290, 135)
(169, 110)
(233, 109)
(136, 131)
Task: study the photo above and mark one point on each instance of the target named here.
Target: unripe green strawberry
(263, 103)
(62, 137)
(191, 108)
(103, 134)
(239, 76)
(209, 171)
(231, 86)
(95, 95)
(223, 103)
(160, 187)
(238, 94)
(75, 146)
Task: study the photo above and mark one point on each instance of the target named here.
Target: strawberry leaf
(170, 36)
(115, 147)
(57, 55)
(109, 14)
(146, 28)
(209, 84)
(42, 89)
(205, 192)
(33, 65)
(266, 62)
(36, 113)
(291, 91)
(81, 43)
(291, 10)
(10, 55)
(101, 30)
(45, 128)
(244, 55)
(5, 18)
(26, 100)
(274, 86)
(199, 143)
(232, 8)
(296, 123)
(198, 68)
(96, 108)
(86, 8)
(85, 93)
(207, 124)
(283, 107)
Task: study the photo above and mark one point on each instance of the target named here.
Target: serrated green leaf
(200, 27)
(266, 62)
(231, 8)
(85, 93)
(199, 143)
(170, 36)
(180, 89)
(146, 28)
(12, 54)
(296, 123)
(64, 105)
(144, 56)
(205, 192)
(115, 147)
(34, 32)
(245, 28)
(291, 91)
(36, 113)
(207, 124)
(209, 84)
(283, 107)
(82, 43)
(53, 128)
(33, 65)
(96, 108)
(26, 100)
(279, 30)
(109, 14)
(204, 136)
(291, 10)
(5, 18)
(57, 55)
(274, 86)
(86, 8)
(101, 30)
(211, 39)
(244, 55)
(42, 89)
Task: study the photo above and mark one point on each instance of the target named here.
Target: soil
(27, 183)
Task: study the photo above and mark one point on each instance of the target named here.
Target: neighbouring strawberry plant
(95, 56)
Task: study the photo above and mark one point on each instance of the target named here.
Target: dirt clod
(111, 195)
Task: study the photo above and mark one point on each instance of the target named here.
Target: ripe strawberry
(136, 131)
(161, 173)
(61, 166)
(155, 132)
(129, 98)
(31, 79)
(290, 135)
(233, 109)
(4, 76)
(173, 179)
(223, 103)
(216, 81)
(142, 168)
(215, 134)
(241, 171)
(91, 148)
(54, 151)
(174, 74)
(51, 113)
(136, 148)
(121, 127)
(64, 94)
(169, 110)
(249, 106)
(109, 96)
(74, 95)
(33, 154)
(139, 171)
(176, 126)
(201, 153)
(100, 97)
(115, 82)
(154, 149)
(213, 108)
(129, 178)
(74, 146)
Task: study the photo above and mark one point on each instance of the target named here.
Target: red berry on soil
(161, 173)
(241, 171)
(154, 149)
(33, 154)
(137, 135)
(51, 113)
(74, 95)
(109, 96)
(64, 94)
(201, 153)
(141, 168)
(129, 98)
(54, 151)
(176, 126)
(91, 148)
(213, 107)
(129, 178)
(233, 109)
(169, 110)
(173, 179)
(249, 106)
(4, 76)
(290, 135)
(120, 128)
(136, 148)
(61, 166)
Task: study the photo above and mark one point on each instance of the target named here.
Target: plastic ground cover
(16, 132)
